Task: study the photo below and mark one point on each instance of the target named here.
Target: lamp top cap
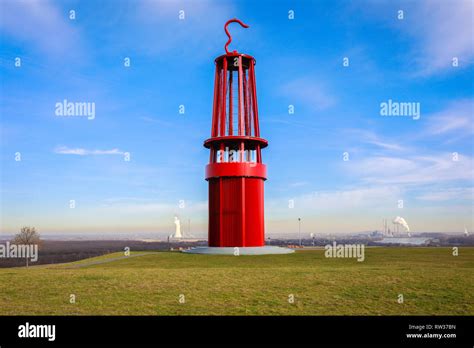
(233, 20)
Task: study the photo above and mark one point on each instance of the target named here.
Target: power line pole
(299, 229)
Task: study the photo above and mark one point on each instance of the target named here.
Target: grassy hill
(431, 280)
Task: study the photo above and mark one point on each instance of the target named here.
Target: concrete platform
(237, 251)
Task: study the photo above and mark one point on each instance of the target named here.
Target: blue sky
(299, 63)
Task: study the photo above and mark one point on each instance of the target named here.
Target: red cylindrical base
(236, 215)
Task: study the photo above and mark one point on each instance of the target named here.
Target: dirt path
(98, 262)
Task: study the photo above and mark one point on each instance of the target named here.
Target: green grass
(432, 281)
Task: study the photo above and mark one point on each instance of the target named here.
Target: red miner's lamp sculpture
(235, 171)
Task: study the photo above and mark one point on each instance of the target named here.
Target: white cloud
(137, 206)
(155, 120)
(355, 198)
(417, 170)
(448, 194)
(298, 184)
(310, 92)
(458, 118)
(41, 24)
(392, 163)
(439, 30)
(64, 150)
(443, 30)
(336, 201)
(370, 137)
(198, 33)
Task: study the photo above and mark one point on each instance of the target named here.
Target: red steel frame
(236, 200)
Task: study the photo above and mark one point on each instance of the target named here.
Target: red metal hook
(228, 35)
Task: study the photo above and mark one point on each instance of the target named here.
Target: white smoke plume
(401, 221)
